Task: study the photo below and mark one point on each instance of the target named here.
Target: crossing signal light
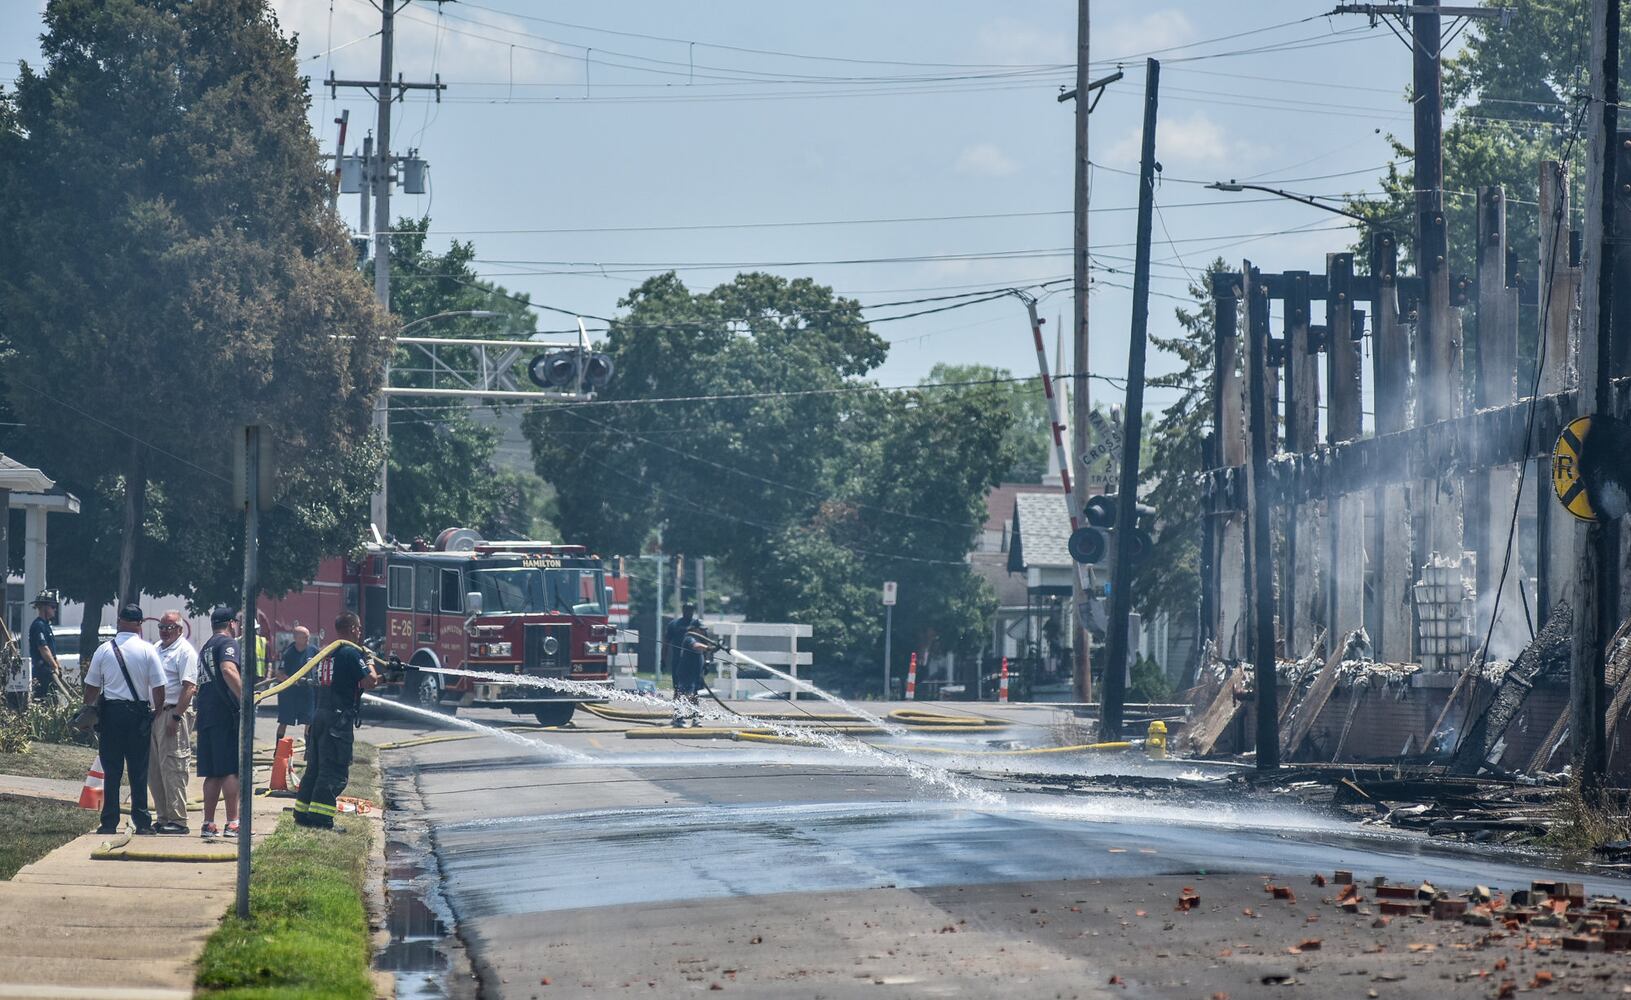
(563, 369)
(1090, 543)
(597, 370)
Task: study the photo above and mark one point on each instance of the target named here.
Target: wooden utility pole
(1121, 576)
(377, 167)
(1081, 401)
(1599, 562)
(1261, 562)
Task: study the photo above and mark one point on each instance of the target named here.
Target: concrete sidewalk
(126, 930)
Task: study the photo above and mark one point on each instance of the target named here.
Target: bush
(1148, 682)
(46, 722)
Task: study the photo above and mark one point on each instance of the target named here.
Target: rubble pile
(1546, 916)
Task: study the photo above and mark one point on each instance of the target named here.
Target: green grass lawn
(307, 935)
(32, 828)
(50, 760)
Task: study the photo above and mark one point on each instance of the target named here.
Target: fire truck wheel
(422, 690)
(555, 714)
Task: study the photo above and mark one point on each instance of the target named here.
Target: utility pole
(1121, 577)
(378, 169)
(1437, 334)
(1081, 399)
(1081, 402)
(251, 666)
(1599, 558)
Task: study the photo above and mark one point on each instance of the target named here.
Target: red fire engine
(518, 607)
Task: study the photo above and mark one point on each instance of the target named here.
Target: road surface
(587, 863)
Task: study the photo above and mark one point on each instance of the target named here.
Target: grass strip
(31, 828)
(307, 935)
(67, 761)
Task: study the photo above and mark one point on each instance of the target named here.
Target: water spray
(541, 747)
(927, 774)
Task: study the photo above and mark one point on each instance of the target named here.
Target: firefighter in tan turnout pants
(341, 680)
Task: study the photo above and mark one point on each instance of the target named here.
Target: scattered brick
(1343, 877)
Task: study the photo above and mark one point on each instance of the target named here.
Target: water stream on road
(892, 728)
(540, 747)
(926, 774)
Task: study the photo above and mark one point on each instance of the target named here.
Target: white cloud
(1187, 143)
(1006, 40)
(1159, 29)
(986, 160)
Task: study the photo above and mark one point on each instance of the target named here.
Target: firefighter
(341, 680)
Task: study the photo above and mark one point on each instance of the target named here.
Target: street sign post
(888, 629)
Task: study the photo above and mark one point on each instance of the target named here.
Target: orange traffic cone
(90, 796)
(1002, 685)
(911, 678)
(280, 764)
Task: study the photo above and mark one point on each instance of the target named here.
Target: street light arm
(474, 313)
(1292, 196)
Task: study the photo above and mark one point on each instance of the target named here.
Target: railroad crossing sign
(1567, 480)
(1109, 436)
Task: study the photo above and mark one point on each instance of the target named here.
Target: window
(452, 596)
(424, 589)
(401, 588)
(510, 591)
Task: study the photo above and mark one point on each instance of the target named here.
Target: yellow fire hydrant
(1155, 739)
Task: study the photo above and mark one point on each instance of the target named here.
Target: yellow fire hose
(120, 850)
(919, 720)
(322, 655)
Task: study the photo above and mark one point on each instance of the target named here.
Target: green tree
(174, 271)
(1168, 580)
(1512, 100)
(442, 470)
(1028, 439)
(809, 487)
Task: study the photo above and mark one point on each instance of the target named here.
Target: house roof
(21, 478)
(999, 503)
(1041, 531)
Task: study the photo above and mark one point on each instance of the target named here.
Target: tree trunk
(135, 515)
(89, 626)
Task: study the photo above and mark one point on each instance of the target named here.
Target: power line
(809, 223)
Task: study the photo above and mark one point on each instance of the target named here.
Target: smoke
(1512, 630)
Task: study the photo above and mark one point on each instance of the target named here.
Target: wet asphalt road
(682, 865)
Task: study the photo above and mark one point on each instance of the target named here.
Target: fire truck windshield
(521, 590)
(577, 591)
(510, 591)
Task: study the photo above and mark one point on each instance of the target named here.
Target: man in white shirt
(170, 756)
(129, 678)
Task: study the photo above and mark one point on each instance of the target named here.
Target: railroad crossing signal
(1568, 480)
(1090, 543)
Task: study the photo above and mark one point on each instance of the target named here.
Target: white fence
(774, 644)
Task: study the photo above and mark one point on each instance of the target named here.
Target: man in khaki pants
(172, 749)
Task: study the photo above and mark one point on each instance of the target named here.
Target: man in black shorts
(295, 703)
(341, 680)
(220, 694)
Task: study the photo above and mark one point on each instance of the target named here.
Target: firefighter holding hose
(341, 680)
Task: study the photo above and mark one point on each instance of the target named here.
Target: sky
(894, 151)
